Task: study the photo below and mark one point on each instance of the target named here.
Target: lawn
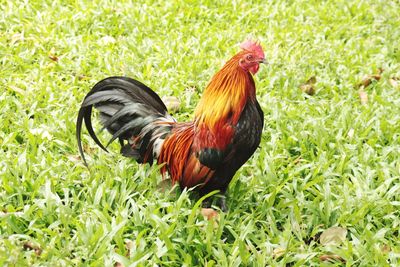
(328, 164)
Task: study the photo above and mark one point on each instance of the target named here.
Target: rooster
(204, 153)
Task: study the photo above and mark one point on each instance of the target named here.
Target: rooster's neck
(225, 96)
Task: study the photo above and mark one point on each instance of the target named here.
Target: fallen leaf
(333, 236)
(52, 54)
(368, 79)
(83, 77)
(30, 246)
(172, 103)
(308, 89)
(88, 149)
(332, 257)
(53, 57)
(74, 158)
(209, 213)
(385, 249)
(312, 80)
(129, 247)
(278, 252)
(363, 97)
(308, 86)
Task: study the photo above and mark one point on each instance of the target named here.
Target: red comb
(253, 46)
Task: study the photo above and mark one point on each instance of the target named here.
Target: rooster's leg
(222, 203)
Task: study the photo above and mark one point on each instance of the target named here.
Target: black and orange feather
(206, 152)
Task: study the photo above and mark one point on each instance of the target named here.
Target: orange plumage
(206, 152)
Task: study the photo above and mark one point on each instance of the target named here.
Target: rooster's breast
(244, 143)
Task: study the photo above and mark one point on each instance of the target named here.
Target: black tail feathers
(131, 112)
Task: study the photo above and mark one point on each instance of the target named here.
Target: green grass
(324, 161)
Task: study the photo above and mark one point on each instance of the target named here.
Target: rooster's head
(251, 56)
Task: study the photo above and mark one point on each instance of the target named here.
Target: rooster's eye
(249, 57)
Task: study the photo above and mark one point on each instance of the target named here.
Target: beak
(263, 61)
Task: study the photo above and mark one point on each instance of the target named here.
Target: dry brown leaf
(386, 249)
(308, 86)
(308, 89)
(363, 97)
(30, 246)
(312, 80)
(74, 158)
(88, 149)
(333, 236)
(209, 213)
(332, 257)
(129, 247)
(368, 79)
(52, 54)
(83, 77)
(53, 57)
(172, 103)
(278, 252)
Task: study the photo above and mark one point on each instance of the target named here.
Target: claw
(206, 204)
(220, 202)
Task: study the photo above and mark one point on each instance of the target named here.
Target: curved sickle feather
(85, 113)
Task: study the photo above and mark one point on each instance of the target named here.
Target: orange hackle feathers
(225, 95)
(228, 90)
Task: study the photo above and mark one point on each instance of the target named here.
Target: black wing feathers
(211, 157)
